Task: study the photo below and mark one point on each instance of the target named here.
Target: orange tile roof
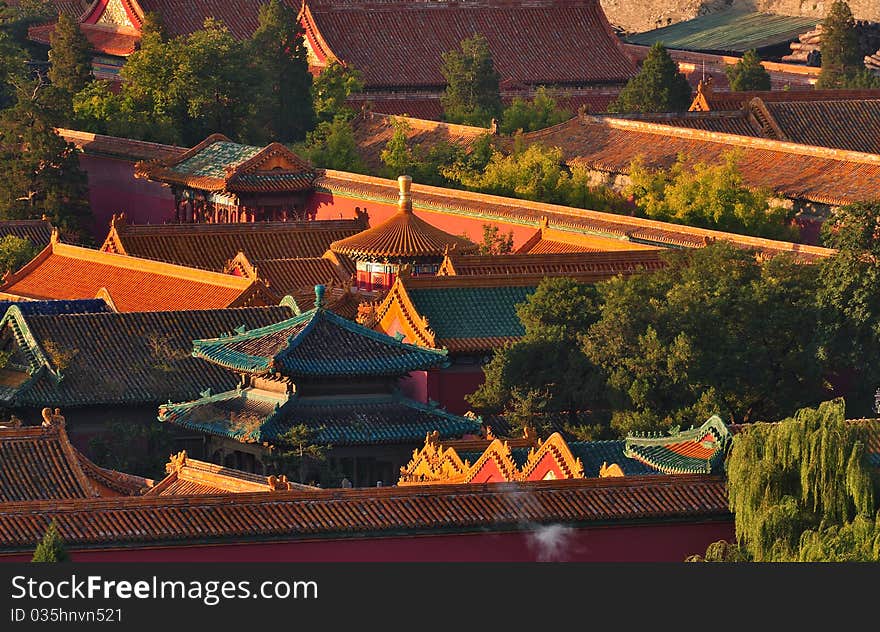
(817, 174)
(40, 463)
(616, 231)
(62, 271)
(707, 98)
(600, 265)
(211, 246)
(188, 477)
(343, 513)
(537, 42)
(116, 147)
(403, 235)
(289, 276)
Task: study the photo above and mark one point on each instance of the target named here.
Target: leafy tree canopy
(332, 145)
(748, 73)
(841, 56)
(472, 93)
(542, 111)
(658, 87)
(15, 252)
(331, 91)
(708, 196)
(70, 61)
(51, 549)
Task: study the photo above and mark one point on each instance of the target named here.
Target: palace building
(324, 372)
(403, 239)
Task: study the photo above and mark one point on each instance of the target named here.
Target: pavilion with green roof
(220, 181)
(319, 370)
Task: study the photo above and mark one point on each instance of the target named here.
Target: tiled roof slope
(396, 43)
(39, 463)
(736, 122)
(257, 416)
(183, 17)
(852, 124)
(130, 358)
(687, 452)
(62, 271)
(601, 264)
(294, 276)
(115, 147)
(817, 174)
(36, 231)
(342, 513)
(54, 308)
(372, 132)
(735, 31)
(401, 236)
(218, 164)
(577, 222)
(211, 246)
(316, 344)
(708, 99)
(189, 477)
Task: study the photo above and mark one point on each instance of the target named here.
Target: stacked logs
(808, 47)
(872, 62)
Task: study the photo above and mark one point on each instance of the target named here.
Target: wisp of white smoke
(550, 542)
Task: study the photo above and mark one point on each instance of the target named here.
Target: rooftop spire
(404, 202)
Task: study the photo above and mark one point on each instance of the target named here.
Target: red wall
(445, 386)
(647, 543)
(114, 189)
(329, 206)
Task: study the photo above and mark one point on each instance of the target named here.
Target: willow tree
(802, 490)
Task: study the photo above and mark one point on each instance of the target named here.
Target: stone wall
(635, 16)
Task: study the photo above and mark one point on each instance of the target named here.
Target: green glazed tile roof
(471, 312)
(318, 343)
(120, 358)
(728, 31)
(594, 453)
(690, 451)
(249, 416)
(213, 160)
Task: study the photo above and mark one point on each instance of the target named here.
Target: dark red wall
(648, 543)
(114, 189)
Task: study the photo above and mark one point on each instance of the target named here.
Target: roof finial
(319, 296)
(405, 199)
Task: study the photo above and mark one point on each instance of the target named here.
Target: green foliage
(849, 298)
(284, 109)
(715, 332)
(331, 91)
(15, 252)
(748, 73)
(542, 111)
(495, 242)
(708, 196)
(796, 487)
(71, 62)
(545, 371)
(295, 454)
(13, 69)
(332, 145)
(16, 18)
(841, 56)
(658, 87)
(535, 173)
(472, 93)
(51, 548)
(41, 174)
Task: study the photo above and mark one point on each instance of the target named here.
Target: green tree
(849, 299)
(332, 88)
(802, 490)
(709, 196)
(542, 111)
(70, 61)
(51, 549)
(714, 332)
(15, 252)
(17, 17)
(333, 146)
(296, 454)
(41, 170)
(397, 156)
(285, 111)
(13, 69)
(136, 448)
(495, 242)
(472, 93)
(748, 73)
(841, 56)
(534, 173)
(658, 87)
(545, 371)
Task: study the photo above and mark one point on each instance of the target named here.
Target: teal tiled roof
(692, 451)
(213, 160)
(250, 416)
(471, 312)
(318, 343)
